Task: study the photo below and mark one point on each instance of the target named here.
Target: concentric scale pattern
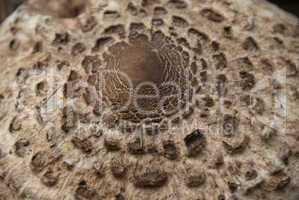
(149, 99)
(144, 80)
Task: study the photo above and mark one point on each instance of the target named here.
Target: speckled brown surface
(235, 135)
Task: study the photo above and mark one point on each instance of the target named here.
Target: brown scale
(58, 9)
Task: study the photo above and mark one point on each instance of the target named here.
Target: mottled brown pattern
(213, 110)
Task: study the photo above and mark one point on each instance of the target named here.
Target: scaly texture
(226, 72)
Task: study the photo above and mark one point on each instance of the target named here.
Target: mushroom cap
(151, 99)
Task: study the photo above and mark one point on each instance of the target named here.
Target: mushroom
(181, 91)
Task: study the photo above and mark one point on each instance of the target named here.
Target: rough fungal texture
(213, 101)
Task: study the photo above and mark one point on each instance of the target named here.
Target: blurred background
(8, 6)
(288, 5)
